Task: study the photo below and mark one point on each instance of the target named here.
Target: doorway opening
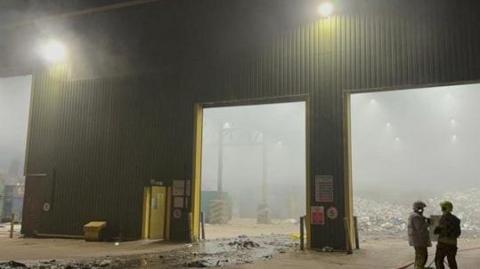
(253, 169)
(14, 111)
(409, 145)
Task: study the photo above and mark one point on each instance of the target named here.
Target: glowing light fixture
(326, 9)
(397, 138)
(452, 121)
(372, 101)
(53, 51)
(454, 138)
(227, 125)
(389, 124)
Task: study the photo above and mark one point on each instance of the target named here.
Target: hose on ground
(461, 250)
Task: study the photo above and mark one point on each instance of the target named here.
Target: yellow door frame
(146, 212)
(147, 196)
(347, 160)
(197, 154)
(197, 173)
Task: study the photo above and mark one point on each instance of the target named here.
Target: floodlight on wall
(325, 9)
(53, 51)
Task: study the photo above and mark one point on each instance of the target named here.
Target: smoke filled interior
(14, 109)
(418, 144)
(253, 169)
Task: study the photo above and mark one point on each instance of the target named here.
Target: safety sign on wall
(324, 188)
(177, 213)
(178, 187)
(318, 215)
(332, 212)
(178, 201)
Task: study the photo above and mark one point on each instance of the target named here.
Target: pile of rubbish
(466, 206)
(386, 219)
(243, 242)
(381, 218)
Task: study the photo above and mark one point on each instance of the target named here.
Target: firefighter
(418, 234)
(448, 231)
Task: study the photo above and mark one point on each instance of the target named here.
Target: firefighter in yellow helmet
(448, 231)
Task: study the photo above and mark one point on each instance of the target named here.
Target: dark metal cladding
(106, 138)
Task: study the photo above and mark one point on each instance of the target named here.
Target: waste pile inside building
(388, 219)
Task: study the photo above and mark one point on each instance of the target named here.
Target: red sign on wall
(318, 215)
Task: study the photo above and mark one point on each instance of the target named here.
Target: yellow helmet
(446, 206)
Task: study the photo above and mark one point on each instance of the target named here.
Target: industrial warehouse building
(100, 145)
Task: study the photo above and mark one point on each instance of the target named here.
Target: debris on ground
(12, 264)
(243, 243)
(327, 249)
(199, 264)
(204, 254)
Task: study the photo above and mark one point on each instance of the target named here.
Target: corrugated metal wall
(107, 138)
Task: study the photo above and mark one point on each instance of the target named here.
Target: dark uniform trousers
(446, 250)
(421, 256)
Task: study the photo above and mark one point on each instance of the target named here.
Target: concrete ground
(31, 250)
(375, 253)
(387, 254)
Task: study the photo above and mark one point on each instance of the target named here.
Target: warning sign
(178, 187)
(332, 212)
(177, 213)
(323, 188)
(318, 215)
